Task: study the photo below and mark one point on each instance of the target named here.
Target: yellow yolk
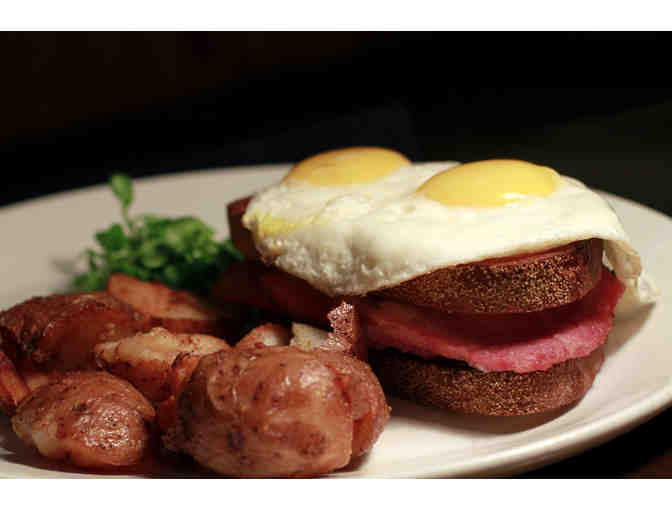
(343, 167)
(270, 226)
(490, 183)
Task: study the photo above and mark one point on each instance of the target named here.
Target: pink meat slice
(520, 342)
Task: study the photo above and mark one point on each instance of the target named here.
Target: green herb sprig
(180, 252)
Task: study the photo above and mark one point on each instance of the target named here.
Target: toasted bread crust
(525, 283)
(455, 386)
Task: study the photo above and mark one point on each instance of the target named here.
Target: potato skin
(266, 412)
(59, 331)
(369, 408)
(175, 310)
(13, 389)
(92, 419)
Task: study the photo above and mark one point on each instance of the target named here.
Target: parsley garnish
(179, 252)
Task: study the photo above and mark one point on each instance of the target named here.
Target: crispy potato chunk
(145, 359)
(268, 335)
(370, 411)
(34, 375)
(308, 338)
(177, 311)
(166, 411)
(91, 419)
(278, 411)
(273, 411)
(59, 331)
(13, 389)
(369, 408)
(346, 337)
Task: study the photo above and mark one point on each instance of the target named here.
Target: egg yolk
(490, 183)
(270, 226)
(343, 167)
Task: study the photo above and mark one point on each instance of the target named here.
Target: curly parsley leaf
(180, 252)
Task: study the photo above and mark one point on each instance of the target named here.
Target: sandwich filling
(517, 342)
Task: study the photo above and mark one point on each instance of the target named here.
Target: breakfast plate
(42, 239)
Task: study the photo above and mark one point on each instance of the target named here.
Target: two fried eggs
(355, 220)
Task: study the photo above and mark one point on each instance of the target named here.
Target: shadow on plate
(413, 415)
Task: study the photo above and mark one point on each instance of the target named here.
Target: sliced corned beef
(520, 343)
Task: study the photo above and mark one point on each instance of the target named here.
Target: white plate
(40, 238)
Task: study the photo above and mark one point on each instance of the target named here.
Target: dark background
(75, 107)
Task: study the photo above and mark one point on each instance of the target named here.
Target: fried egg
(356, 220)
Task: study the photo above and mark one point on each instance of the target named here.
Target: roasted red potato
(368, 406)
(166, 411)
(266, 335)
(13, 389)
(145, 359)
(347, 336)
(58, 332)
(92, 419)
(174, 310)
(278, 411)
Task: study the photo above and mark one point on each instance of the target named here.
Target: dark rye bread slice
(522, 283)
(455, 386)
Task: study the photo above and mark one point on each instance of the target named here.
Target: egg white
(357, 239)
